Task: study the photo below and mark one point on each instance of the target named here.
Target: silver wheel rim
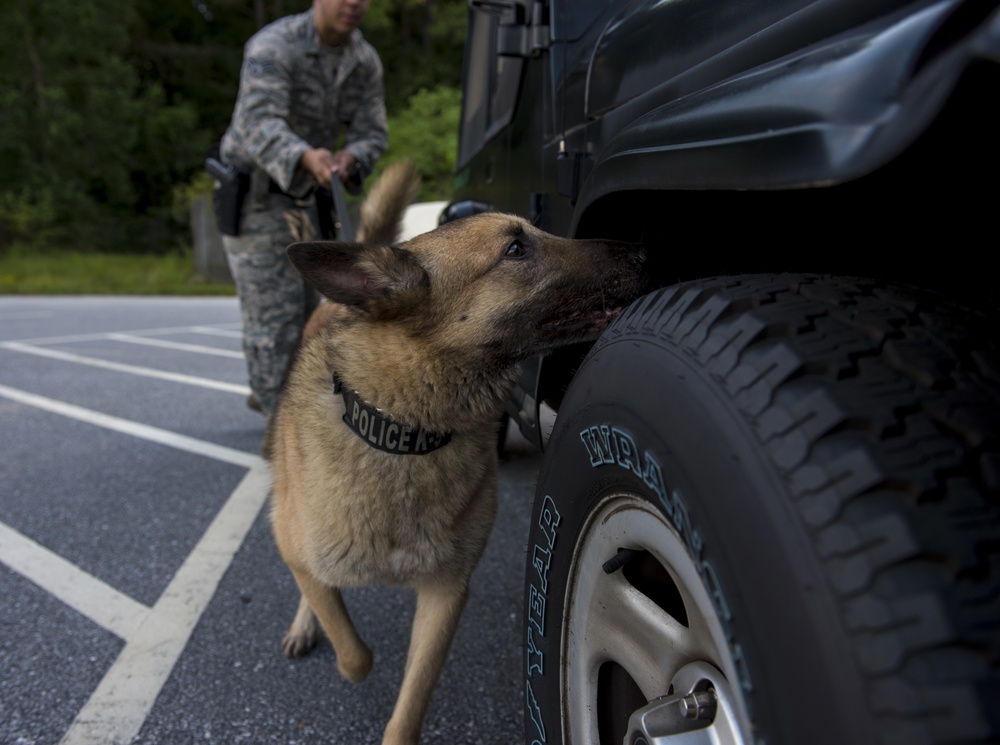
(607, 620)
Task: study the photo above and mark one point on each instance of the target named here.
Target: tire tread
(879, 406)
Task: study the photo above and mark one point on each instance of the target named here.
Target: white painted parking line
(128, 427)
(217, 331)
(120, 704)
(176, 345)
(154, 637)
(224, 329)
(101, 603)
(147, 372)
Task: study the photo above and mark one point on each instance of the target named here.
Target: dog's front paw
(298, 644)
(356, 666)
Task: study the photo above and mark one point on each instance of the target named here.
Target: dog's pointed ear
(386, 281)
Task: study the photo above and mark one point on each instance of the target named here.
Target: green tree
(66, 94)
(76, 125)
(426, 132)
(110, 106)
(192, 51)
(421, 44)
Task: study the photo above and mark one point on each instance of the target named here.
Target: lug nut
(699, 705)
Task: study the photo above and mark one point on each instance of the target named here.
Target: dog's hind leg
(439, 607)
(325, 604)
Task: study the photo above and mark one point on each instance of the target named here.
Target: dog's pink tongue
(581, 320)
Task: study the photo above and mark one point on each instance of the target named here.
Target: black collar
(381, 432)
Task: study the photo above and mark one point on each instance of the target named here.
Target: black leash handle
(346, 232)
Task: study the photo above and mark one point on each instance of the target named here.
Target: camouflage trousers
(275, 302)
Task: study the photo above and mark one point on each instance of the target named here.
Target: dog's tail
(386, 202)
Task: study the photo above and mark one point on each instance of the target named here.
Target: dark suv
(769, 510)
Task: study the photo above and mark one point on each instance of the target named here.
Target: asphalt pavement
(143, 600)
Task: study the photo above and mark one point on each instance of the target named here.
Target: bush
(426, 132)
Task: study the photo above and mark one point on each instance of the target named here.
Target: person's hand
(322, 164)
(344, 165)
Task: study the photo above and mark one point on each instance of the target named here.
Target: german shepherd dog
(383, 446)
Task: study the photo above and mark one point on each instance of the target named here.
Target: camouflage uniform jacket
(297, 93)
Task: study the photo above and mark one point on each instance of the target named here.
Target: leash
(346, 232)
(332, 200)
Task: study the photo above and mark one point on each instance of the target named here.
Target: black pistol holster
(231, 187)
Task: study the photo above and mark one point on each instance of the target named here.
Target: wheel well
(932, 196)
(925, 218)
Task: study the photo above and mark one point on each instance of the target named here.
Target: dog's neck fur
(427, 399)
(384, 432)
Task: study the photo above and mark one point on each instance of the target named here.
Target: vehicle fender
(779, 127)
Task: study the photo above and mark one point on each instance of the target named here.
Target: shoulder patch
(259, 68)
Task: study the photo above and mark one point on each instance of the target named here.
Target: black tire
(806, 470)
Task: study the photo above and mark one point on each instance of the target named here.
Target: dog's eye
(515, 250)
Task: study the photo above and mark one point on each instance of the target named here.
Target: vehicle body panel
(827, 136)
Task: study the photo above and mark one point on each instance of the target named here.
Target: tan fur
(430, 333)
(382, 211)
(381, 216)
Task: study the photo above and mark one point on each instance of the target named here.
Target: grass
(78, 273)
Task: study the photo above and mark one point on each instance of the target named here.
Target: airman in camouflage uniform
(306, 79)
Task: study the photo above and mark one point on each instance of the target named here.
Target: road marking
(119, 706)
(128, 427)
(223, 329)
(179, 346)
(147, 372)
(98, 601)
(213, 331)
(154, 637)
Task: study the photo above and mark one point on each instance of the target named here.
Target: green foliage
(426, 132)
(421, 43)
(23, 214)
(194, 55)
(170, 146)
(61, 74)
(89, 154)
(89, 273)
(183, 194)
(110, 106)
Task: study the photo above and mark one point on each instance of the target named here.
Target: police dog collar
(382, 432)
